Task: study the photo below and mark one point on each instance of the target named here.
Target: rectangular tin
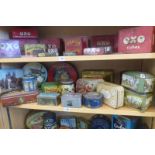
(50, 87)
(113, 94)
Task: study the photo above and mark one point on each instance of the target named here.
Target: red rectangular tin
(136, 40)
(76, 44)
(21, 33)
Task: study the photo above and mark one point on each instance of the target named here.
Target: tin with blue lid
(92, 99)
(29, 83)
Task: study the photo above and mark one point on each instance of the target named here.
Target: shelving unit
(116, 62)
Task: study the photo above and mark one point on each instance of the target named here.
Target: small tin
(48, 98)
(100, 122)
(87, 85)
(124, 122)
(93, 99)
(29, 83)
(49, 120)
(67, 87)
(138, 101)
(71, 100)
(113, 94)
(50, 87)
(68, 122)
(138, 81)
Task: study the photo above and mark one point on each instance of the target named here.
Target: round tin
(29, 83)
(92, 99)
(67, 87)
(100, 122)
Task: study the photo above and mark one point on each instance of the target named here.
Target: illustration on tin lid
(37, 70)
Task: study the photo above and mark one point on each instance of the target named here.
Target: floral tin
(113, 94)
(48, 98)
(71, 100)
(87, 85)
(138, 81)
(136, 40)
(138, 101)
(9, 49)
(50, 87)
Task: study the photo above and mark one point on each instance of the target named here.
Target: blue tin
(92, 100)
(29, 83)
(124, 122)
(49, 121)
(100, 122)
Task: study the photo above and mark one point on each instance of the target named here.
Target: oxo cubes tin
(76, 44)
(136, 40)
(9, 49)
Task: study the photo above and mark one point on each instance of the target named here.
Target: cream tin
(113, 94)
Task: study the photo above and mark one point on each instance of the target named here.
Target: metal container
(67, 87)
(48, 98)
(29, 83)
(93, 99)
(50, 87)
(71, 100)
(138, 101)
(113, 94)
(138, 81)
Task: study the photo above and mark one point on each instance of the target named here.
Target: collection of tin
(51, 120)
(26, 42)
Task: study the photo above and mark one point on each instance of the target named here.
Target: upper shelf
(80, 58)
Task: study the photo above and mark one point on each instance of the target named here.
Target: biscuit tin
(98, 51)
(87, 85)
(71, 100)
(48, 98)
(107, 75)
(76, 44)
(138, 81)
(93, 99)
(9, 49)
(100, 122)
(34, 49)
(10, 79)
(124, 122)
(29, 83)
(50, 87)
(113, 94)
(18, 97)
(28, 33)
(138, 101)
(136, 40)
(68, 122)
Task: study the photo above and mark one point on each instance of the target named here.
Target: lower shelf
(102, 110)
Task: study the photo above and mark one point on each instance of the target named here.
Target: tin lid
(48, 95)
(27, 77)
(67, 95)
(93, 95)
(67, 82)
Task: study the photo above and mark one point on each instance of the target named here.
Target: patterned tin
(50, 87)
(87, 85)
(48, 98)
(113, 94)
(124, 122)
(138, 101)
(136, 40)
(71, 100)
(138, 81)
(18, 97)
(68, 122)
(92, 99)
(29, 83)
(100, 122)
(9, 49)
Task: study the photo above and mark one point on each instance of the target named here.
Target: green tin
(138, 101)
(50, 87)
(138, 81)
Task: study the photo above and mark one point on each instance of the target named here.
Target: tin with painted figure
(29, 83)
(50, 87)
(67, 87)
(138, 81)
(113, 94)
(138, 101)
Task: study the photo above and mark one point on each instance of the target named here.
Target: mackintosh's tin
(93, 99)
(138, 81)
(138, 101)
(113, 94)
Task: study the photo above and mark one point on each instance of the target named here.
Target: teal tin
(29, 83)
